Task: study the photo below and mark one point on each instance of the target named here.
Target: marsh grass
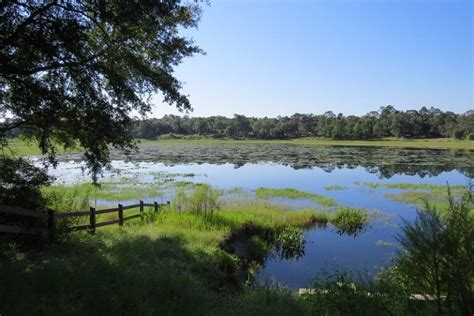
(334, 187)
(170, 263)
(201, 199)
(268, 193)
(418, 194)
(408, 186)
(350, 221)
(109, 191)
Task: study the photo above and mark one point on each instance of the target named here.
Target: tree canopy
(387, 122)
(72, 72)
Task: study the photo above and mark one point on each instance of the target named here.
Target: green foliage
(270, 300)
(458, 134)
(339, 294)
(350, 221)
(202, 199)
(173, 265)
(258, 249)
(387, 122)
(290, 243)
(20, 184)
(94, 65)
(109, 191)
(438, 256)
(267, 193)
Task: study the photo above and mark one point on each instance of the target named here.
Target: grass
(350, 221)
(21, 147)
(267, 193)
(170, 265)
(408, 186)
(334, 187)
(418, 194)
(437, 198)
(109, 191)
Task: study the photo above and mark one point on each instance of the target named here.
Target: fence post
(51, 223)
(92, 219)
(141, 207)
(120, 214)
(155, 205)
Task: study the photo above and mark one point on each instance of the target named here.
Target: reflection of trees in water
(385, 162)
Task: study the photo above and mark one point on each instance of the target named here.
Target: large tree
(72, 72)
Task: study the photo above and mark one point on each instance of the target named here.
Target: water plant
(334, 187)
(350, 221)
(290, 193)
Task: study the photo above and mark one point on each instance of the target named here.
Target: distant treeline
(387, 122)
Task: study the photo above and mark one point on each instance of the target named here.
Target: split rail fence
(51, 217)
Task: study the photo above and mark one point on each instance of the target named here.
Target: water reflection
(385, 162)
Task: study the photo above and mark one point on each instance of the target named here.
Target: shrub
(458, 134)
(437, 257)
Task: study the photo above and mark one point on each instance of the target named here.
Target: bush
(437, 257)
(20, 184)
(470, 136)
(458, 134)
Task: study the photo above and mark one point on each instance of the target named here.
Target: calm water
(306, 168)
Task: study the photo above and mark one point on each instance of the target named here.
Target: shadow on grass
(114, 275)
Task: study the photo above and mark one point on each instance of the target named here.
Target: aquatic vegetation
(236, 190)
(183, 184)
(267, 193)
(381, 160)
(202, 199)
(290, 243)
(350, 221)
(407, 186)
(334, 187)
(178, 256)
(111, 191)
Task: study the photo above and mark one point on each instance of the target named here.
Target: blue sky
(275, 57)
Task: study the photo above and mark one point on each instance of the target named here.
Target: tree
(71, 72)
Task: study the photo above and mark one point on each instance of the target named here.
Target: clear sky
(275, 57)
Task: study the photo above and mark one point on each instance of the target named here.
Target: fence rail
(49, 219)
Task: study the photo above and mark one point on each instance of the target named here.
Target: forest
(387, 122)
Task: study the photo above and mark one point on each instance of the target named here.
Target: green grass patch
(418, 194)
(335, 187)
(171, 264)
(350, 220)
(408, 186)
(22, 147)
(109, 191)
(267, 193)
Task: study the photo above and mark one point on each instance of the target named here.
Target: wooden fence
(50, 218)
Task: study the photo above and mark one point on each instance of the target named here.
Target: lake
(342, 173)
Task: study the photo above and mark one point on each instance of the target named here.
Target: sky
(275, 57)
